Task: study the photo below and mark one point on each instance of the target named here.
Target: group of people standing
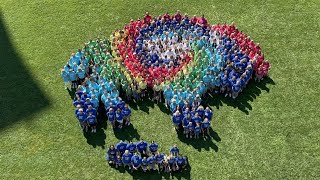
(146, 157)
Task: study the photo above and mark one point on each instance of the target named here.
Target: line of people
(146, 157)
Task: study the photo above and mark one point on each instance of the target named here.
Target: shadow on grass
(20, 94)
(251, 92)
(127, 133)
(205, 143)
(154, 175)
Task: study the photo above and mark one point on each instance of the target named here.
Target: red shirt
(147, 19)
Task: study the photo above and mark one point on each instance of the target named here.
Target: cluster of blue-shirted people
(93, 90)
(146, 157)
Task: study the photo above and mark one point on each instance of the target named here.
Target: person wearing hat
(181, 162)
(136, 161)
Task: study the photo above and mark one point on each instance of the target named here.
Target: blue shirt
(177, 119)
(205, 124)
(159, 157)
(126, 112)
(81, 74)
(136, 160)
(126, 158)
(119, 115)
(111, 116)
(142, 146)
(208, 114)
(153, 147)
(150, 160)
(81, 117)
(174, 150)
(92, 119)
(121, 147)
(131, 147)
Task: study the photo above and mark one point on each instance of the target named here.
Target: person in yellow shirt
(143, 88)
(157, 91)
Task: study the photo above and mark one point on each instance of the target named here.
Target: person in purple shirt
(151, 162)
(159, 157)
(91, 110)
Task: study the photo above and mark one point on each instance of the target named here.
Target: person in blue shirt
(153, 147)
(168, 94)
(111, 117)
(136, 161)
(77, 102)
(81, 75)
(159, 157)
(120, 104)
(235, 89)
(197, 130)
(126, 114)
(174, 150)
(131, 147)
(77, 110)
(73, 79)
(66, 78)
(121, 147)
(181, 162)
(185, 123)
(92, 121)
(84, 96)
(87, 103)
(151, 162)
(208, 113)
(111, 155)
(142, 147)
(196, 119)
(126, 159)
(118, 161)
(172, 163)
(119, 118)
(81, 116)
(94, 101)
(144, 164)
(205, 127)
(177, 119)
(190, 130)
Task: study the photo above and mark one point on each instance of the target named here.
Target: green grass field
(270, 132)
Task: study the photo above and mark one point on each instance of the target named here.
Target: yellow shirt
(142, 85)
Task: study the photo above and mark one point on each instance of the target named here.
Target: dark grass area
(20, 96)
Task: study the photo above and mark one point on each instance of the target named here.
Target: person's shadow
(202, 143)
(127, 133)
(251, 92)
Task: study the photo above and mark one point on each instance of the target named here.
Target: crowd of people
(179, 59)
(145, 156)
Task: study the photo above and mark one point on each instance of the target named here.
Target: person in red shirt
(178, 16)
(194, 20)
(147, 18)
(202, 21)
(166, 17)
